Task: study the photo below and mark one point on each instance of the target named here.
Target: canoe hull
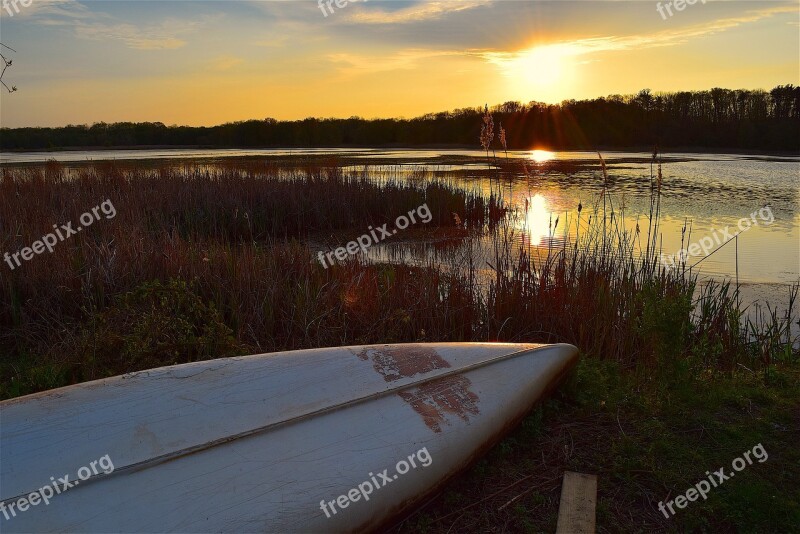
(258, 444)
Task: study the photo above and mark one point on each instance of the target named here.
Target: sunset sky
(208, 62)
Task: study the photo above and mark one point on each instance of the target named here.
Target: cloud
(434, 9)
(224, 63)
(592, 45)
(273, 42)
(352, 64)
(162, 36)
(50, 8)
(99, 26)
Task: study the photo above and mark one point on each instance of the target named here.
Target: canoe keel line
(258, 443)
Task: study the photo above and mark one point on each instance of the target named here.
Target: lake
(709, 193)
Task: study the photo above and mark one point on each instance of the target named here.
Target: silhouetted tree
(718, 118)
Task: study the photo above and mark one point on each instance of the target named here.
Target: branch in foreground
(6, 63)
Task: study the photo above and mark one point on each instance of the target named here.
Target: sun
(541, 66)
(543, 73)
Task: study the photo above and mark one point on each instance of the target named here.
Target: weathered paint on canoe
(253, 444)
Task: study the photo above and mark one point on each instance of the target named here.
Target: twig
(528, 491)
(493, 495)
(620, 426)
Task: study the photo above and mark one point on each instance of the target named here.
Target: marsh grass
(204, 262)
(219, 252)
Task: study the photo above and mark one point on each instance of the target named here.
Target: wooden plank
(576, 513)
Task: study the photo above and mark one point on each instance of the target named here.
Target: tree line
(718, 118)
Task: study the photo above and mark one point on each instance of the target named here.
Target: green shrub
(154, 325)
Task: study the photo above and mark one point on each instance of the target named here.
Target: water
(709, 193)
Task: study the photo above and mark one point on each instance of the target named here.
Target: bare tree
(6, 63)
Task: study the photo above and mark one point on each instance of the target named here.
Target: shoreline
(635, 149)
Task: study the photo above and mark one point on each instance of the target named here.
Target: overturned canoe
(334, 440)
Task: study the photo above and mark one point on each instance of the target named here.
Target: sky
(199, 62)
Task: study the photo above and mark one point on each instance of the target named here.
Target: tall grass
(207, 262)
(603, 289)
(231, 203)
(232, 234)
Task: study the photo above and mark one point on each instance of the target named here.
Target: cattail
(659, 177)
(603, 167)
(487, 130)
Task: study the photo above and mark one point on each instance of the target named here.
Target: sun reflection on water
(541, 156)
(537, 219)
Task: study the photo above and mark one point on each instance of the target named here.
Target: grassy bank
(648, 438)
(204, 262)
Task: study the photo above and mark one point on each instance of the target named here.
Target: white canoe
(257, 443)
